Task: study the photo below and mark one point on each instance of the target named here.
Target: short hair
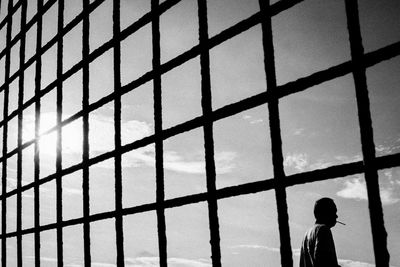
(323, 207)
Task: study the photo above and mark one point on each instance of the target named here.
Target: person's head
(325, 211)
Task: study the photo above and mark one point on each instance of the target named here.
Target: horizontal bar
(10, 14)
(301, 84)
(92, 56)
(333, 172)
(29, 25)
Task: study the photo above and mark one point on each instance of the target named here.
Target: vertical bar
(117, 124)
(275, 134)
(5, 140)
(379, 235)
(85, 118)
(20, 131)
(160, 195)
(206, 103)
(59, 204)
(38, 77)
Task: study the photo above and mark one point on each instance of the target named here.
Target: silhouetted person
(318, 247)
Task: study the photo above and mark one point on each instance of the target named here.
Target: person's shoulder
(321, 226)
(322, 231)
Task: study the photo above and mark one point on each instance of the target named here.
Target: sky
(319, 128)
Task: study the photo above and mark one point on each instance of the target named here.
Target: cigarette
(341, 223)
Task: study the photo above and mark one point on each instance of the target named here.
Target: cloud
(356, 189)
(101, 133)
(348, 159)
(393, 176)
(72, 191)
(173, 262)
(148, 261)
(389, 147)
(321, 164)
(351, 263)
(42, 259)
(101, 139)
(173, 161)
(299, 161)
(296, 252)
(252, 120)
(259, 247)
(302, 162)
(299, 131)
(387, 197)
(383, 150)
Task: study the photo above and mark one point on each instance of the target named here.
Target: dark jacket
(318, 248)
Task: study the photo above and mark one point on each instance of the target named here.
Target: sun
(71, 134)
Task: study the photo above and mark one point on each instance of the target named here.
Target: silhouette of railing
(358, 64)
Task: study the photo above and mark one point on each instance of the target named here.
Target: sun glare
(71, 134)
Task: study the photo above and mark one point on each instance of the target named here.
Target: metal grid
(358, 64)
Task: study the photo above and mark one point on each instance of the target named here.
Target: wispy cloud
(393, 176)
(100, 264)
(258, 247)
(356, 189)
(252, 120)
(43, 259)
(101, 133)
(72, 191)
(383, 150)
(182, 262)
(298, 131)
(321, 164)
(173, 262)
(101, 139)
(296, 252)
(303, 162)
(388, 147)
(148, 261)
(175, 162)
(348, 159)
(298, 161)
(351, 263)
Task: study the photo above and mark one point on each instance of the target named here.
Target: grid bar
(59, 191)
(92, 56)
(276, 139)
(20, 132)
(370, 59)
(10, 13)
(85, 148)
(29, 25)
(206, 103)
(191, 53)
(357, 66)
(232, 191)
(5, 141)
(117, 127)
(159, 147)
(53, 41)
(38, 77)
(379, 235)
